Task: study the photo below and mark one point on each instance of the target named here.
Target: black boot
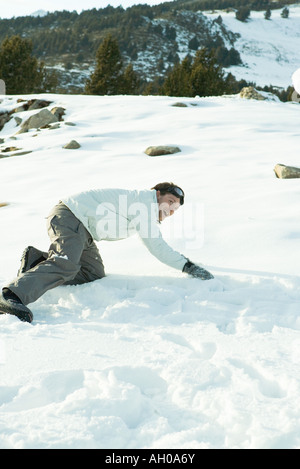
(10, 303)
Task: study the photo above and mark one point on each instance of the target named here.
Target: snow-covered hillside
(148, 357)
(269, 49)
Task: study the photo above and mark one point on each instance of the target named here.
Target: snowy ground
(269, 49)
(147, 357)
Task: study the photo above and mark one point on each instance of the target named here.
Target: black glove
(196, 271)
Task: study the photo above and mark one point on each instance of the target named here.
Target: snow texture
(269, 49)
(148, 357)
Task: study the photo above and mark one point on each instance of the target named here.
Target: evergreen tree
(242, 13)
(207, 76)
(130, 81)
(107, 76)
(194, 43)
(268, 13)
(21, 71)
(285, 13)
(203, 77)
(178, 81)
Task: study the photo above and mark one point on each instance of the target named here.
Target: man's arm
(163, 252)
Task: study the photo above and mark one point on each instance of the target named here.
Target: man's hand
(196, 271)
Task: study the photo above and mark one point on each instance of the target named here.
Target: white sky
(10, 8)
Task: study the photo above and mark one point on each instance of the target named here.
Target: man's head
(169, 198)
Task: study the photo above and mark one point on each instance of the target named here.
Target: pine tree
(178, 82)
(268, 13)
(21, 71)
(107, 76)
(243, 13)
(202, 76)
(130, 81)
(207, 76)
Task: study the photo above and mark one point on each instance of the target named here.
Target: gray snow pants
(73, 258)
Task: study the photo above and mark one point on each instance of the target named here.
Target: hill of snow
(148, 357)
(269, 49)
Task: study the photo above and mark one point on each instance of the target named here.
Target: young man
(73, 227)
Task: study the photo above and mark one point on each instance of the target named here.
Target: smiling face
(167, 204)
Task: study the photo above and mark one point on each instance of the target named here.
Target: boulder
(37, 104)
(41, 119)
(31, 105)
(54, 126)
(72, 145)
(8, 149)
(58, 112)
(249, 92)
(179, 104)
(286, 172)
(4, 117)
(161, 150)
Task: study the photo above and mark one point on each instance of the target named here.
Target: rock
(249, 92)
(31, 105)
(4, 117)
(72, 145)
(70, 123)
(41, 119)
(8, 149)
(161, 150)
(20, 109)
(179, 105)
(37, 104)
(58, 112)
(286, 172)
(21, 153)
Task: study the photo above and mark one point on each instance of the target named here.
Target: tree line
(201, 75)
(78, 35)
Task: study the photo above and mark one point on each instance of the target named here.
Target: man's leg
(91, 265)
(30, 258)
(68, 240)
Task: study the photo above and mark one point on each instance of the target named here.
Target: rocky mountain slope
(153, 39)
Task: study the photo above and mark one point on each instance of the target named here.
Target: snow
(148, 357)
(269, 49)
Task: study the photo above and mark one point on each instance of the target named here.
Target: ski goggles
(174, 190)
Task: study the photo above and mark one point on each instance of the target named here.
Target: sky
(11, 8)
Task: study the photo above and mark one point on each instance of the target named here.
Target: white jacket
(113, 214)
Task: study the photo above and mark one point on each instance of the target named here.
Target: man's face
(167, 204)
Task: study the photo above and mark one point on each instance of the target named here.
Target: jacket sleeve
(163, 252)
